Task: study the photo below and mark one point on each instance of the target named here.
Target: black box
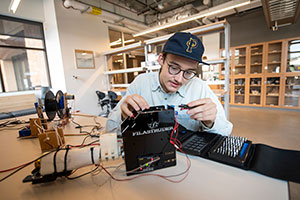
(146, 140)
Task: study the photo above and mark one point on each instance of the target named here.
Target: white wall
(53, 46)
(28, 9)
(84, 32)
(211, 44)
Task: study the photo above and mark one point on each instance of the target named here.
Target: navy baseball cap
(186, 45)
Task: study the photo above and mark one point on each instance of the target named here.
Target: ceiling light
(13, 5)
(191, 18)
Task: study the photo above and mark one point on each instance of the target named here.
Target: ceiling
(281, 12)
(158, 12)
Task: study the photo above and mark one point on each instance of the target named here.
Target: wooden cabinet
(239, 61)
(272, 91)
(291, 92)
(293, 56)
(274, 57)
(255, 90)
(266, 74)
(256, 59)
(239, 84)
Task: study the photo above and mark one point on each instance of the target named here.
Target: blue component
(243, 151)
(24, 132)
(184, 131)
(61, 102)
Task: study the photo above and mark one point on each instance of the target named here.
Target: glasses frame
(180, 70)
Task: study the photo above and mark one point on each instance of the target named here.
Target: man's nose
(179, 77)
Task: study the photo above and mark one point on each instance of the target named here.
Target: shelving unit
(256, 59)
(274, 57)
(272, 74)
(272, 91)
(239, 65)
(150, 44)
(255, 91)
(291, 92)
(239, 90)
(293, 56)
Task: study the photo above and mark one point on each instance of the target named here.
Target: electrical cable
(177, 145)
(25, 165)
(20, 167)
(72, 178)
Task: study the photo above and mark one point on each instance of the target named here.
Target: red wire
(141, 175)
(177, 144)
(7, 170)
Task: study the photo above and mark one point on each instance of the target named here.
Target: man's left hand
(204, 110)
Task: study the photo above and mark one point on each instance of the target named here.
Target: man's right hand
(133, 102)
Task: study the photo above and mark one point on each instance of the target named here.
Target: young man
(175, 84)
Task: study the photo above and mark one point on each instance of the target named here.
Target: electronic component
(185, 107)
(61, 163)
(146, 140)
(231, 150)
(109, 146)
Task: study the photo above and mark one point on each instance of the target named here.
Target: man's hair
(164, 55)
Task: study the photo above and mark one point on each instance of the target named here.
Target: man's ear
(160, 59)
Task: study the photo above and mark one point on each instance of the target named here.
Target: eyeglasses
(174, 70)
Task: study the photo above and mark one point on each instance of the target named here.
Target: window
(23, 60)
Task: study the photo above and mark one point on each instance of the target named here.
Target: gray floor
(277, 128)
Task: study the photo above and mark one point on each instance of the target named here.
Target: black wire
(89, 133)
(26, 165)
(84, 140)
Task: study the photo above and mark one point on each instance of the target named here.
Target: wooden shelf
(292, 95)
(293, 85)
(272, 95)
(271, 85)
(274, 52)
(256, 54)
(255, 95)
(240, 56)
(274, 63)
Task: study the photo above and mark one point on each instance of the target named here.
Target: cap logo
(192, 43)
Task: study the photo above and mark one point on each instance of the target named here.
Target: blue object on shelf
(24, 132)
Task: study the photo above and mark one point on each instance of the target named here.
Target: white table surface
(206, 179)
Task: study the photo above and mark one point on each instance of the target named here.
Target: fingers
(203, 110)
(133, 102)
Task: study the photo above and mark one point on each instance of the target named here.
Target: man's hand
(203, 110)
(133, 102)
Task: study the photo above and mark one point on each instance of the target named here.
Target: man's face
(172, 83)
